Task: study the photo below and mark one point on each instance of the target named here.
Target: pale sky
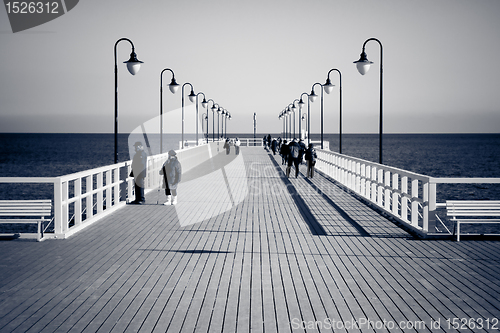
(440, 64)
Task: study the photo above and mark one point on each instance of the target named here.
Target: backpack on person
(294, 151)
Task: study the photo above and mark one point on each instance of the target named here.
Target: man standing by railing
(139, 171)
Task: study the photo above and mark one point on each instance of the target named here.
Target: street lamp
(192, 98)
(312, 98)
(214, 109)
(219, 110)
(205, 117)
(228, 116)
(203, 103)
(133, 66)
(328, 87)
(173, 86)
(254, 127)
(301, 105)
(363, 65)
(223, 113)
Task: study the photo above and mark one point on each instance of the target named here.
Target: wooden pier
(296, 254)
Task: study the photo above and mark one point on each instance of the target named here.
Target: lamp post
(312, 98)
(219, 110)
(133, 66)
(213, 103)
(363, 65)
(192, 98)
(301, 104)
(294, 108)
(328, 87)
(254, 127)
(214, 109)
(173, 86)
(205, 117)
(223, 113)
(203, 103)
(279, 117)
(228, 116)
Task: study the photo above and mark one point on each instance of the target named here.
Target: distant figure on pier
(237, 144)
(310, 157)
(172, 172)
(139, 171)
(274, 146)
(284, 152)
(227, 146)
(269, 140)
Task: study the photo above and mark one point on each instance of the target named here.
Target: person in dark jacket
(310, 156)
(293, 157)
(227, 146)
(139, 171)
(302, 150)
(274, 146)
(284, 152)
(172, 172)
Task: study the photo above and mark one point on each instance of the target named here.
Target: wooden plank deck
(295, 255)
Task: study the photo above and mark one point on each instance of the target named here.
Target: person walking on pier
(237, 144)
(310, 157)
(139, 171)
(172, 172)
(227, 146)
(274, 146)
(284, 152)
(293, 158)
(303, 148)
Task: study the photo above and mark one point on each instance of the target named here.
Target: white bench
(475, 211)
(34, 211)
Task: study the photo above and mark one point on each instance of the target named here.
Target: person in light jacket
(172, 172)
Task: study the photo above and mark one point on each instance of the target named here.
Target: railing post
(414, 203)
(425, 206)
(395, 194)
(432, 205)
(380, 187)
(404, 198)
(100, 196)
(123, 183)
(387, 190)
(78, 202)
(90, 198)
(58, 221)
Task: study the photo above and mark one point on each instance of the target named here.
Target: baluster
(387, 190)
(78, 202)
(90, 198)
(414, 202)
(395, 194)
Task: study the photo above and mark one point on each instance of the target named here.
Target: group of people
(171, 171)
(228, 143)
(293, 153)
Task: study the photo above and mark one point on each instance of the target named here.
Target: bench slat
(474, 213)
(14, 221)
(34, 208)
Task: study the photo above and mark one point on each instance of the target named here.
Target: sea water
(436, 155)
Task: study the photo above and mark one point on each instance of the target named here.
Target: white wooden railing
(409, 197)
(84, 197)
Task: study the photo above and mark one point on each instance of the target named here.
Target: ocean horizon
(435, 155)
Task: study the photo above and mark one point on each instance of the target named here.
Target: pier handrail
(83, 197)
(407, 196)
